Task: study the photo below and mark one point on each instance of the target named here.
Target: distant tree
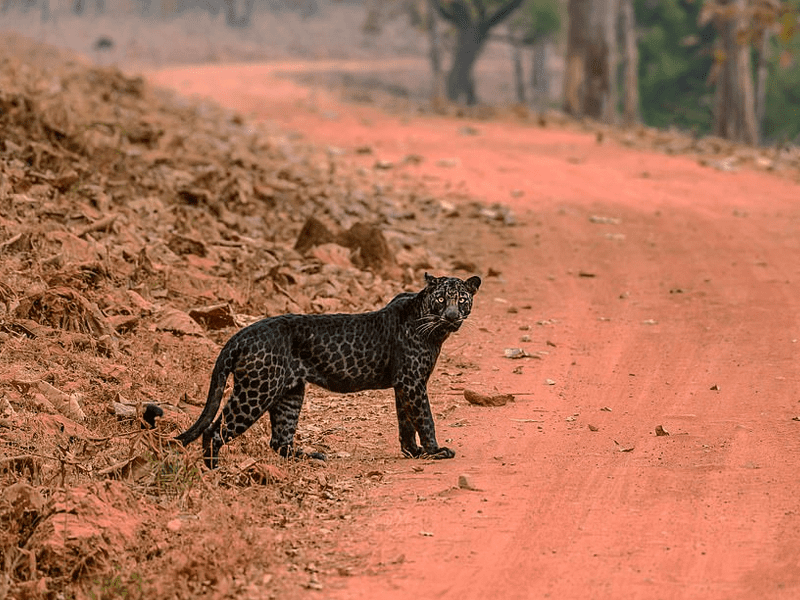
(781, 120)
(684, 59)
(778, 77)
(675, 57)
(734, 99)
(473, 19)
(742, 25)
(591, 78)
(234, 18)
(435, 47)
(80, 6)
(533, 25)
(586, 80)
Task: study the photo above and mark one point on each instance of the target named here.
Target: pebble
(465, 483)
(174, 525)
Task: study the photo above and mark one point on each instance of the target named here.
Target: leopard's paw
(440, 453)
(412, 451)
(289, 451)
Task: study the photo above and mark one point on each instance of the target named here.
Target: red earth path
(678, 307)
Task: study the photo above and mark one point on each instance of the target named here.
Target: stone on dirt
(465, 483)
(479, 399)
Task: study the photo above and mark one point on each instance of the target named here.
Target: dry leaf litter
(138, 231)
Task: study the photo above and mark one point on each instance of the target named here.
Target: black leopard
(394, 347)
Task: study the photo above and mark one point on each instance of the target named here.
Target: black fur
(273, 359)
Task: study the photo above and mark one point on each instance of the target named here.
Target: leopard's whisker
(428, 326)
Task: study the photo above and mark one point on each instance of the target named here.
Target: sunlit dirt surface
(646, 290)
(627, 294)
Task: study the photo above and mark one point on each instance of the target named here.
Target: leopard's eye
(440, 300)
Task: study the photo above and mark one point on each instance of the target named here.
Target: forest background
(663, 63)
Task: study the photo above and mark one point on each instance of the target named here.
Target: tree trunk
(460, 84)
(435, 50)
(630, 95)
(230, 13)
(588, 77)
(473, 24)
(372, 22)
(540, 77)
(516, 60)
(734, 104)
(232, 18)
(249, 6)
(611, 99)
(575, 73)
(761, 79)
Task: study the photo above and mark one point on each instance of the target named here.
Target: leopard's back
(346, 353)
(340, 352)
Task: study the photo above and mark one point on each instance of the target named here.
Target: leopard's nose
(451, 313)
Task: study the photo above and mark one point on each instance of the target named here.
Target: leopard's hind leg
(283, 416)
(250, 399)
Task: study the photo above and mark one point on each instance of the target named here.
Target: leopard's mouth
(452, 325)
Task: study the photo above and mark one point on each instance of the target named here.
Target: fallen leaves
(136, 233)
(177, 322)
(365, 244)
(602, 220)
(217, 316)
(64, 308)
(47, 395)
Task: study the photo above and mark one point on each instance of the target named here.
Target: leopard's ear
(472, 284)
(429, 279)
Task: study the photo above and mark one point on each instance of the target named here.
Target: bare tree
(587, 77)
(593, 56)
(473, 20)
(734, 101)
(610, 102)
(435, 49)
(516, 61)
(532, 26)
(540, 77)
(232, 16)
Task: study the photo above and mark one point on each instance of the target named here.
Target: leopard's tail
(219, 376)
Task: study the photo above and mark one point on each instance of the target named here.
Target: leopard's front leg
(408, 434)
(414, 417)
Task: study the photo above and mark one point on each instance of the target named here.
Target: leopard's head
(446, 302)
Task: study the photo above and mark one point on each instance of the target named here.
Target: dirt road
(647, 291)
